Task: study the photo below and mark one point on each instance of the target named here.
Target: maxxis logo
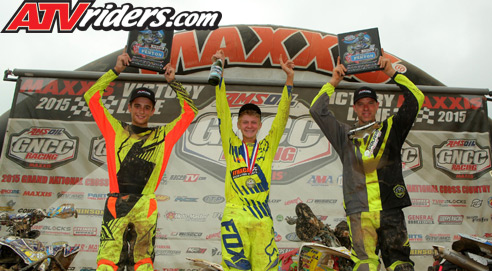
(42, 148)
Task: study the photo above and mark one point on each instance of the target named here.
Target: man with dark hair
(247, 226)
(137, 156)
(373, 187)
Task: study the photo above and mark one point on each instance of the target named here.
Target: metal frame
(236, 81)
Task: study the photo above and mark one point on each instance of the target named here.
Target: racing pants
(128, 233)
(247, 241)
(380, 230)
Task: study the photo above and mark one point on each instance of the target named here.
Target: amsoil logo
(42, 148)
(302, 149)
(462, 159)
(41, 17)
(97, 154)
(411, 157)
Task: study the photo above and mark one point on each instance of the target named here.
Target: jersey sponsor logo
(302, 149)
(42, 148)
(462, 159)
(42, 16)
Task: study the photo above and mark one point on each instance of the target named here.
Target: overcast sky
(448, 39)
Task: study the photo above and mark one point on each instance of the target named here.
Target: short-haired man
(247, 227)
(137, 156)
(373, 187)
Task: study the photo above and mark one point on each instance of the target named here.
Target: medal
(250, 163)
(250, 183)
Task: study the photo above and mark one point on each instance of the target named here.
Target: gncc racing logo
(41, 17)
(462, 159)
(411, 157)
(42, 148)
(302, 149)
(97, 154)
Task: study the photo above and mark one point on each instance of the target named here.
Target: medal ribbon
(250, 162)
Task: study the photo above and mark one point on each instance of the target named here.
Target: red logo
(42, 16)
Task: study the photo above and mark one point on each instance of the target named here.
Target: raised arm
(178, 126)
